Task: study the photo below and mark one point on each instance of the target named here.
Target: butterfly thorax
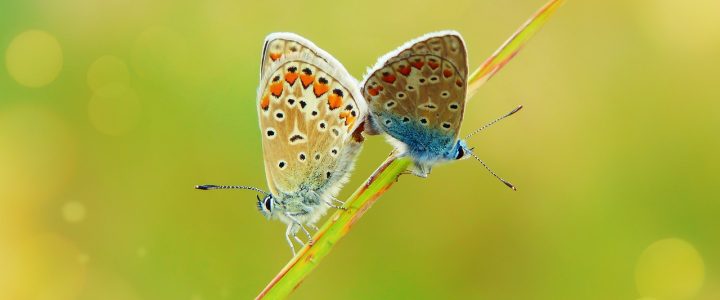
(304, 205)
(425, 158)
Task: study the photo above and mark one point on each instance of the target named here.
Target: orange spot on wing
(447, 73)
(334, 101)
(276, 89)
(319, 89)
(389, 78)
(306, 80)
(375, 91)
(349, 120)
(418, 64)
(459, 83)
(291, 77)
(265, 102)
(275, 56)
(405, 70)
(433, 64)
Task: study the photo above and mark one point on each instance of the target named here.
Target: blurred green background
(110, 112)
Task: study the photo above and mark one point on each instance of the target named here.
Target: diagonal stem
(340, 223)
(337, 226)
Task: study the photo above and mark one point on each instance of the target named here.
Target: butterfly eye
(268, 204)
(460, 153)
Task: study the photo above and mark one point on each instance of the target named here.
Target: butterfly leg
(288, 232)
(330, 203)
(298, 239)
(342, 207)
(291, 217)
(421, 170)
(337, 200)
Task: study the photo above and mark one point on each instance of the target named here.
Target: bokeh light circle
(670, 269)
(114, 109)
(34, 58)
(106, 70)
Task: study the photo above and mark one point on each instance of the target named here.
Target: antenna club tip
(203, 187)
(509, 185)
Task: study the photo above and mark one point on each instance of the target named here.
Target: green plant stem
(340, 223)
(337, 226)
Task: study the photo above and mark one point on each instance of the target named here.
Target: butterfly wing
(281, 44)
(310, 110)
(416, 93)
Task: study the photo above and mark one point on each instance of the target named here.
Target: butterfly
(416, 95)
(311, 117)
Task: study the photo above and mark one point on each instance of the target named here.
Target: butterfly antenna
(229, 187)
(510, 185)
(495, 121)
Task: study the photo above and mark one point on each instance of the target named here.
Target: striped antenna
(229, 187)
(495, 121)
(510, 185)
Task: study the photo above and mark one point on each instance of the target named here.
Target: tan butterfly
(311, 117)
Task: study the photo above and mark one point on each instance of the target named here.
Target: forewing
(422, 82)
(309, 108)
(281, 44)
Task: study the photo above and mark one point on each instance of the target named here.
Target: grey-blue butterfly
(417, 96)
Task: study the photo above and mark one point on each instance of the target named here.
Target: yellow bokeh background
(111, 111)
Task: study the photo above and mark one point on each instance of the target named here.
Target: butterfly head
(266, 205)
(459, 151)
